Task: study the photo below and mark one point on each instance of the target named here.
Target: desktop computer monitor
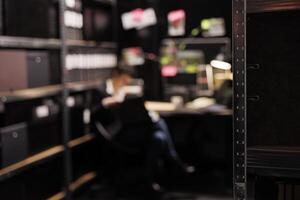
(185, 63)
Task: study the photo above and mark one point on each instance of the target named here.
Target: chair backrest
(109, 137)
(133, 111)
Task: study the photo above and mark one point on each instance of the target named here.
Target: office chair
(125, 165)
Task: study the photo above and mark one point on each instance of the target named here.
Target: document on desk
(197, 104)
(200, 103)
(160, 106)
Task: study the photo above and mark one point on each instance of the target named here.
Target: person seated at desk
(154, 136)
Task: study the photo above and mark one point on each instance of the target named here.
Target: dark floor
(202, 186)
(207, 183)
(187, 196)
(182, 192)
(167, 196)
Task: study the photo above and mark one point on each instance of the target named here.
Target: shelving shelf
(58, 196)
(18, 167)
(256, 6)
(58, 49)
(84, 43)
(86, 178)
(34, 93)
(82, 86)
(45, 43)
(82, 140)
(27, 42)
(280, 161)
(77, 184)
(197, 40)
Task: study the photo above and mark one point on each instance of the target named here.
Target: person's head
(122, 74)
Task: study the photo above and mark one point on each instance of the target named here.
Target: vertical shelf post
(240, 100)
(65, 94)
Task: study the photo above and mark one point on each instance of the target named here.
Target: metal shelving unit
(270, 160)
(63, 91)
(75, 87)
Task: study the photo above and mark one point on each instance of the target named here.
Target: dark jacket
(136, 126)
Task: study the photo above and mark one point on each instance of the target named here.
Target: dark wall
(146, 38)
(196, 10)
(150, 38)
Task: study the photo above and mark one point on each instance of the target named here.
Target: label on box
(70, 102)
(87, 116)
(42, 111)
(73, 19)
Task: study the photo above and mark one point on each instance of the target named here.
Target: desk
(167, 109)
(203, 137)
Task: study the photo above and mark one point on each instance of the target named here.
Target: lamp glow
(220, 64)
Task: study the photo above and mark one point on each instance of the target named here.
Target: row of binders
(40, 18)
(90, 61)
(31, 69)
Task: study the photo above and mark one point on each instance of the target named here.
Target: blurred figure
(154, 136)
(114, 87)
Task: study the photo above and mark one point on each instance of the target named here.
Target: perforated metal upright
(240, 100)
(65, 95)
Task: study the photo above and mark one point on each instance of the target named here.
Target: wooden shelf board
(92, 44)
(58, 196)
(83, 85)
(7, 171)
(32, 93)
(81, 140)
(257, 6)
(82, 181)
(75, 185)
(28, 42)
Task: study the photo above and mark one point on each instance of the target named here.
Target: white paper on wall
(214, 27)
(133, 56)
(139, 18)
(176, 21)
